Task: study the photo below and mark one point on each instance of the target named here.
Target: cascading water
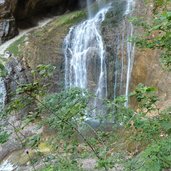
(130, 56)
(83, 45)
(85, 60)
(127, 49)
(89, 2)
(2, 94)
(130, 48)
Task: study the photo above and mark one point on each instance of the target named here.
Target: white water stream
(78, 44)
(7, 166)
(84, 42)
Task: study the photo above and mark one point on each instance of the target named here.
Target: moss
(44, 148)
(70, 18)
(4, 136)
(15, 47)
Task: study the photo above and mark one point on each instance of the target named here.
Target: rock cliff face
(147, 68)
(24, 13)
(44, 45)
(8, 27)
(41, 46)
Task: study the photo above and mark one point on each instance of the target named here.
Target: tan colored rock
(147, 68)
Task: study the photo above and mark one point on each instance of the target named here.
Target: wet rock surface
(26, 13)
(18, 73)
(115, 33)
(8, 28)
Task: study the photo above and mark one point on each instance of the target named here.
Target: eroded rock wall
(147, 68)
(8, 28)
(24, 13)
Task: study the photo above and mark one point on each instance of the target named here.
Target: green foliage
(71, 18)
(33, 141)
(146, 129)
(14, 47)
(166, 60)
(155, 157)
(4, 137)
(154, 132)
(65, 109)
(117, 110)
(146, 97)
(165, 121)
(3, 71)
(43, 71)
(63, 165)
(158, 34)
(47, 168)
(67, 165)
(26, 94)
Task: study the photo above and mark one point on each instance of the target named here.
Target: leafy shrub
(65, 109)
(155, 157)
(146, 98)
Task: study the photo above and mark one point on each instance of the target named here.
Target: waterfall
(89, 2)
(7, 166)
(124, 52)
(85, 55)
(2, 94)
(130, 50)
(84, 46)
(79, 43)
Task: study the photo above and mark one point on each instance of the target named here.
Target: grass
(71, 18)
(14, 47)
(4, 137)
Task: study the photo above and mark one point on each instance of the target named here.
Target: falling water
(2, 94)
(85, 59)
(7, 166)
(82, 45)
(124, 52)
(130, 49)
(130, 6)
(79, 44)
(89, 2)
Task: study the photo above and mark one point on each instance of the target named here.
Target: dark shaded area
(28, 13)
